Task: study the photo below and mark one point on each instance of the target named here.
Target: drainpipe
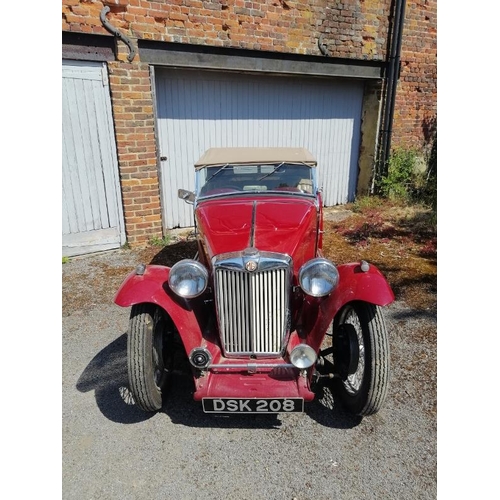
(391, 83)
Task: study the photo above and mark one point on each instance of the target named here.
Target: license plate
(264, 405)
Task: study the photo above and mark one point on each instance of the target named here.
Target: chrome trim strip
(266, 260)
(252, 194)
(249, 366)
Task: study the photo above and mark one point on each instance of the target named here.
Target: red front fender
(152, 286)
(354, 284)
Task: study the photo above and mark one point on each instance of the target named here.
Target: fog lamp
(303, 356)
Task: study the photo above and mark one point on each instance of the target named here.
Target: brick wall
(351, 29)
(416, 99)
(135, 139)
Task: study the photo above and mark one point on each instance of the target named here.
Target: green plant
(402, 178)
(364, 203)
(430, 191)
(155, 241)
(65, 260)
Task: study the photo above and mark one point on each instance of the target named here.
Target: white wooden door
(92, 214)
(197, 110)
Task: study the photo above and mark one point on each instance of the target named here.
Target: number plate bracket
(253, 405)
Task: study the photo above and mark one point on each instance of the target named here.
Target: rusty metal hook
(118, 34)
(322, 47)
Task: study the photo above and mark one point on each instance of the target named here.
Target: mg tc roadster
(262, 315)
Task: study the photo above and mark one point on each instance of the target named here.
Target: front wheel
(363, 386)
(149, 355)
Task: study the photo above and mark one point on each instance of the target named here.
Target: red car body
(267, 223)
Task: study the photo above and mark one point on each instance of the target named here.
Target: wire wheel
(353, 381)
(363, 386)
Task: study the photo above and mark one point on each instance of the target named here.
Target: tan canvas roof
(222, 156)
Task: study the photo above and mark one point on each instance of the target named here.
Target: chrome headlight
(318, 277)
(303, 356)
(188, 278)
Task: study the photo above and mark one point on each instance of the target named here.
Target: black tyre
(149, 359)
(364, 380)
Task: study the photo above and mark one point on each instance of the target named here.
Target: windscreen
(280, 177)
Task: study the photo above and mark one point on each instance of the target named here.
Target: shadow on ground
(107, 376)
(171, 254)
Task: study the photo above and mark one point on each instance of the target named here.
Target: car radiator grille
(252, 310)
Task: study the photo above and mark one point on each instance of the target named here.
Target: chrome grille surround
(252, 295)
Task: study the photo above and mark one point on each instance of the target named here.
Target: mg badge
(251, 265)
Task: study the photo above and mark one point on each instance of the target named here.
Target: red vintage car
(261, 314)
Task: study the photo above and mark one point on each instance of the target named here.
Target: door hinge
(104, 72)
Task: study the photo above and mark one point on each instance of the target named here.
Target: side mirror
(187, 196)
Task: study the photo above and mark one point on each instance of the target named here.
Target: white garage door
(197, 110)
(92, 218)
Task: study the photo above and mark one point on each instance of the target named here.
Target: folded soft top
(223, 156)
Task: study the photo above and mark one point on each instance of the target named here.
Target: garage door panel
(202, 109)
(82, 150)
(92, 218)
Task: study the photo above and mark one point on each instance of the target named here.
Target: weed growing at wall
(430, 192)
(160, 242)
(411, 177)
(401, 179)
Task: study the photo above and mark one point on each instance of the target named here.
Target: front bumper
(280, 380)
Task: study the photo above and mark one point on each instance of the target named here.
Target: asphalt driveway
(111, 449)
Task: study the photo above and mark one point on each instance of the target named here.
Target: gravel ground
(113, 450)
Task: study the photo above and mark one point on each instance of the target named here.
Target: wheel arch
(152, 287)
(354, 285)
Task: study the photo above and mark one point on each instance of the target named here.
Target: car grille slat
(252, 310)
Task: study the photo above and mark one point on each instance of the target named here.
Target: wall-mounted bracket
(117, 33)
(322, 47)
